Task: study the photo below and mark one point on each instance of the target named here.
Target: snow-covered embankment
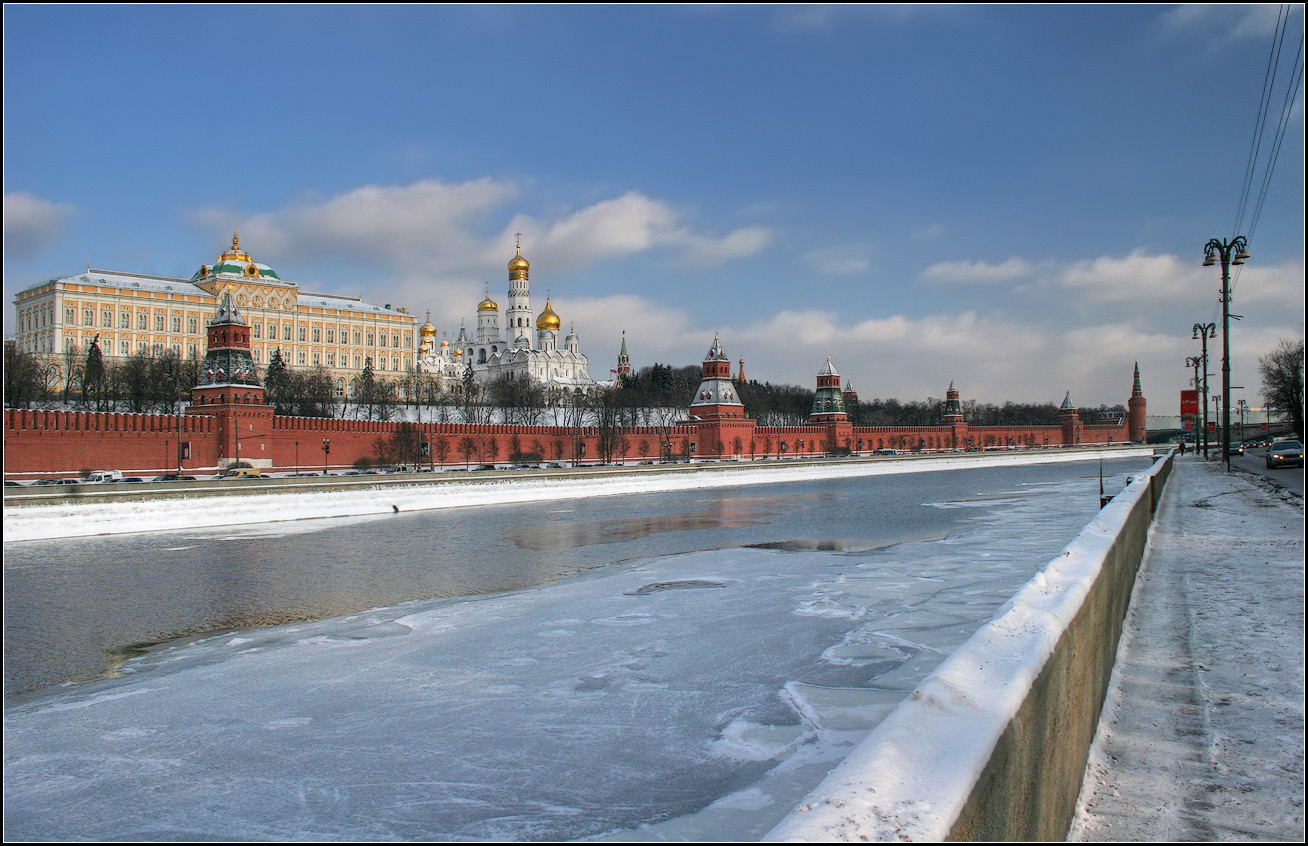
(993, 744)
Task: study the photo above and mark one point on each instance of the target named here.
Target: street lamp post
(1194, 361)
(326, 451)
(1202, 332)
(1217, 410)
(1235, 251)
(1243, 406)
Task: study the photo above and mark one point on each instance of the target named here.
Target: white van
(105, 476)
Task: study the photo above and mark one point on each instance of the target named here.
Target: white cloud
(977, 271)
(631, 223)
(439, 229)
(1225, 22)
(839, 261)
(31, 224)
(405, 226)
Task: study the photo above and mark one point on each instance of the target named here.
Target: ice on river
(697, 696)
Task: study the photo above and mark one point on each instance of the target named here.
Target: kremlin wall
(228, 422)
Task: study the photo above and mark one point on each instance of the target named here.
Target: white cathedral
(513, 354)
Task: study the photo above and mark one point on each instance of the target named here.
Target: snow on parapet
(910, 779)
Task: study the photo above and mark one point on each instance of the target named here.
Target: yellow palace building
(135, 313)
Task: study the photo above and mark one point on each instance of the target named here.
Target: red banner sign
(1189, 403)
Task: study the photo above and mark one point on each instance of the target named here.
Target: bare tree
(1282, 371)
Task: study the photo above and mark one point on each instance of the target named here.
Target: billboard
(1189, 403)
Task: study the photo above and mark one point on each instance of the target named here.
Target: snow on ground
(80, 519)
(1202, 736)
(695, 696)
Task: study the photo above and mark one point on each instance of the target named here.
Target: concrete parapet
(993, 744)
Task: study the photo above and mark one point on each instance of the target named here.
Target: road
(1255, 461)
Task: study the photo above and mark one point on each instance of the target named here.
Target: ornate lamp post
(1235, 251)
(1243, 406)
(1202, 332)
(1194, 361)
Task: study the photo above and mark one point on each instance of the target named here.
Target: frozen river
(680, 664)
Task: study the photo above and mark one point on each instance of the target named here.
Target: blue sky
(1012, 198)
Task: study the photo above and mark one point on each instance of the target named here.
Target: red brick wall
(40, 444)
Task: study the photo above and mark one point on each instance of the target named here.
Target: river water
(77, 609)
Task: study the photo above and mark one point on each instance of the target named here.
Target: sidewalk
(1202, 735)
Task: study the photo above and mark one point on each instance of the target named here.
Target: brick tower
(1135, 410)
(230, 390)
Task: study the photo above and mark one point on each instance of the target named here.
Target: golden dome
(518, 266)
(427, 330)
(548, 319)
(235, 253)
(487, 305)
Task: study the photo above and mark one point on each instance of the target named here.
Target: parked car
(885, 451)
(129, 480)
(1285, 454)
(104, 476)
(173, 477)
(1234, 449)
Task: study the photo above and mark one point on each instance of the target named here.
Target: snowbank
(993, 744)
(82, 519)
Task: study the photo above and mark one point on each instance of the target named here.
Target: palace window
(125, 320)
(371, 340)
(331, 336)
(143, 321)
(358, 362)
(382, 339)
(358, 339)
(158, 323)
(177, 324)
(257, 329)
(317, 359)
(317, 334)
(299, 358)
(124, 347)
(301, 333)
(107, 319)
(286, 332)
(193, 326)
(254, 354)
(331, 359)
(143, 348)
(395, 340)
(88, 317)
(408, 340)
(70, 315)
(192, 353)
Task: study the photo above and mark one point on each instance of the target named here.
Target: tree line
(655, 396)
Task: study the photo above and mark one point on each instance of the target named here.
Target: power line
(1255, 144)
